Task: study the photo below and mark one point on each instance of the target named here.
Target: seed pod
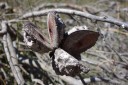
(55, 29)
(79, 41)
(34, 38)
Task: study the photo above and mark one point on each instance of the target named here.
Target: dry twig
(11, 57)
(78, 13)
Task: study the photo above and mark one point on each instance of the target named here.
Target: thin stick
(11, 57)
(79, 13)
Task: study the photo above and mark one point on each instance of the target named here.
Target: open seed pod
(35, 39)
(79, 41)
(55, 29)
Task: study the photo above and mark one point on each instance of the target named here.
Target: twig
(66, 5)
(61, 5)
(4, 73)
(105, 52)
(4, 28)
(97, 79)
(12, 60)
(3, 82)
(38, 81)
(73, 81)
(79, 13)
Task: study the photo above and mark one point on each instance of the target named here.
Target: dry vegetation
(107, 60)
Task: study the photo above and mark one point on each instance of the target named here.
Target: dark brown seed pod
(79, 41)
